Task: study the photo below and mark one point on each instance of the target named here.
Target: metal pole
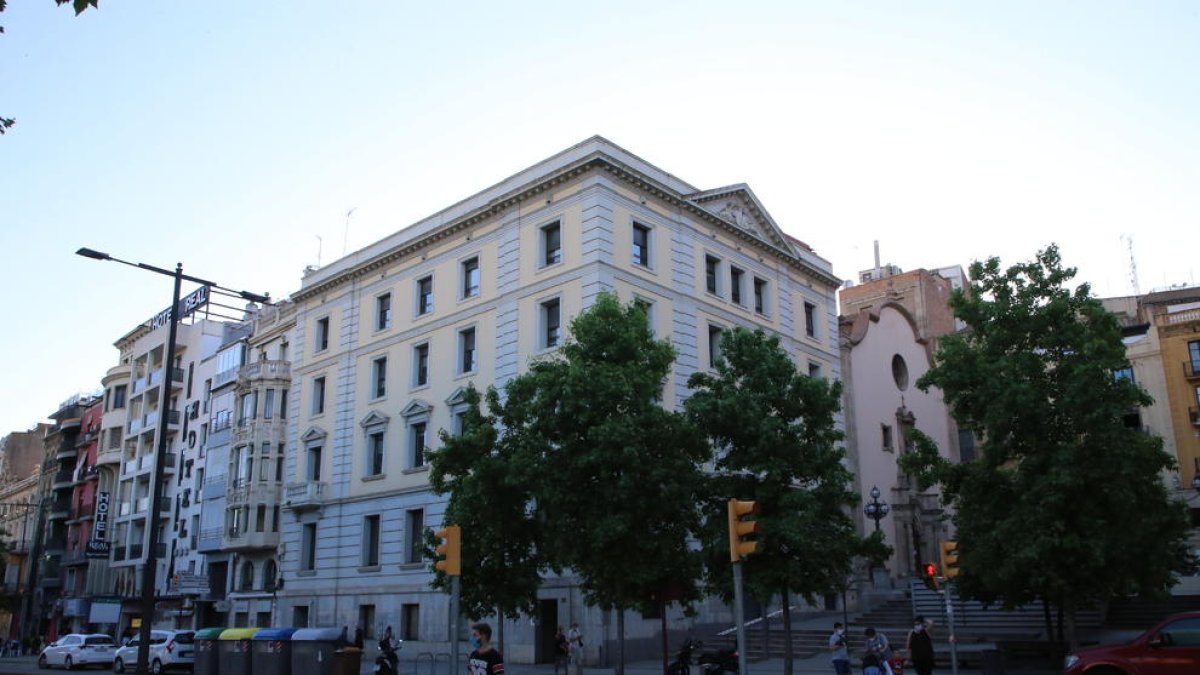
(953, 639)
(454, 622)
(150, 570)
(739, 617)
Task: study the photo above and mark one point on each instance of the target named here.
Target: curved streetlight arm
(264, 299)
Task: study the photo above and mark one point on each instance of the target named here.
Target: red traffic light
(930, 570)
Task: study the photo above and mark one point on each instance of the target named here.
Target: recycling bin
(206, 651)
(233, 650)
(271, 651)
(321, 651)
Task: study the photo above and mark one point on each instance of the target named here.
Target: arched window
(270, 575)
(247, 581)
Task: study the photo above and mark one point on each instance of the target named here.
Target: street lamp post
(875, 509)
(150, 569)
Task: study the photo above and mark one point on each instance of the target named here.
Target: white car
(77, 649)
(169, 649)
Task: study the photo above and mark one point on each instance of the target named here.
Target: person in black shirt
(484, 659)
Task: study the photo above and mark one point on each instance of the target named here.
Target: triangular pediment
(459, 397)
(313, 434)
(416, 407)
(738, 206)
(373, 419)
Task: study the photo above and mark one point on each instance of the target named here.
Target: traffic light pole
(949, 595)
(739, 617)
(454, 622)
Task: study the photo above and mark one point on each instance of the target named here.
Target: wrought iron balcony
(306, 495)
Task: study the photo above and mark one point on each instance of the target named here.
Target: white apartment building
(387, 338)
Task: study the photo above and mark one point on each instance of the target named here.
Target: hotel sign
(98, 545)
(193, 301)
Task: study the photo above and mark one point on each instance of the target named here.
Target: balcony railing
(177, 377)
(1194, 415)
(281, 370)
(306, 495)
(225, 377)
(1191, 370)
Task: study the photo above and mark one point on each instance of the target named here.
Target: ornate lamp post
(875, 509)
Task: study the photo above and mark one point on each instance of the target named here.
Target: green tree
(490, 494)
(617, 475)
(1065, 503)
(777, 442)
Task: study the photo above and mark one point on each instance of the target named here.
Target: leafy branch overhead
(7, 123)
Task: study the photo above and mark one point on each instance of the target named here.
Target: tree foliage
(490, 493)
(1065, 503)
(7, 123)
(776, 441)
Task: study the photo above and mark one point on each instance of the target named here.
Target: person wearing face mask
(920, 647)
(839, 653)
(484, 659)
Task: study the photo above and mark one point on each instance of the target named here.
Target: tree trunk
(788, 650)
(620, 641)
(499, 632)
(1047, 619)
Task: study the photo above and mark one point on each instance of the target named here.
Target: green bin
(272, 651)
(316, 651)
(206, 651)
(233, 651)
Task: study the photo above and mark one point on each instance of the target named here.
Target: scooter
(388, 661)
(710, 663)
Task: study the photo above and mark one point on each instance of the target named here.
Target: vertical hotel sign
(97, 546)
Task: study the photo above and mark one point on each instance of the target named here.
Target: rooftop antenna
(1133, 274)
(878, 269)
(318, 250)
(346, 232)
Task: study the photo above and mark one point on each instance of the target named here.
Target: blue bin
(271, 651)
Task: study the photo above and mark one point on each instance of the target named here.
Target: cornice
(594, 161)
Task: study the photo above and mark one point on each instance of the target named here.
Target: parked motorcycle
(388, 661)
(710, 663)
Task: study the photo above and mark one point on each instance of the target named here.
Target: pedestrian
(871, 665)
(387, 636)
(839, 653)
(920, 646)
(562, 650)
(877, 644)
(484, 659)
(575, 648)
(358, 637)
(343, 639)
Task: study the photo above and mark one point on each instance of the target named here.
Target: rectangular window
(249, 406)
(379, 377)
(760, 295)
(118, 396)
(375, 453)
(114, 437)
(424, 295)
(321, 339)
(641, 245)
(1124, 374)
(814, 369)
(460, 422)
(647, 308)
(274, 514)
(735, 285)
(300, 616)
(366, 620)
(711, 266)
(279, 465)
(466, 351)
(421, 365)
(886, 430)
(1193, 357)
(410, 615)
(370, 541)
(966, 445)
(312, 471)
(810, 320)
(550, 320)
(260, 518)
(417, 444)
(283, 403)
(383, 312)
(415, 548)
(551, 244)
(308, 547)
(318, 395)
(269, 404)
(714, 345)
(470, 278)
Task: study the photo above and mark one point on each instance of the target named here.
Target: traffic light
(739, 545)
(950, 559)
(929, 574)
(450, 551)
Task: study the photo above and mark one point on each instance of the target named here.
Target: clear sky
(230, 135)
